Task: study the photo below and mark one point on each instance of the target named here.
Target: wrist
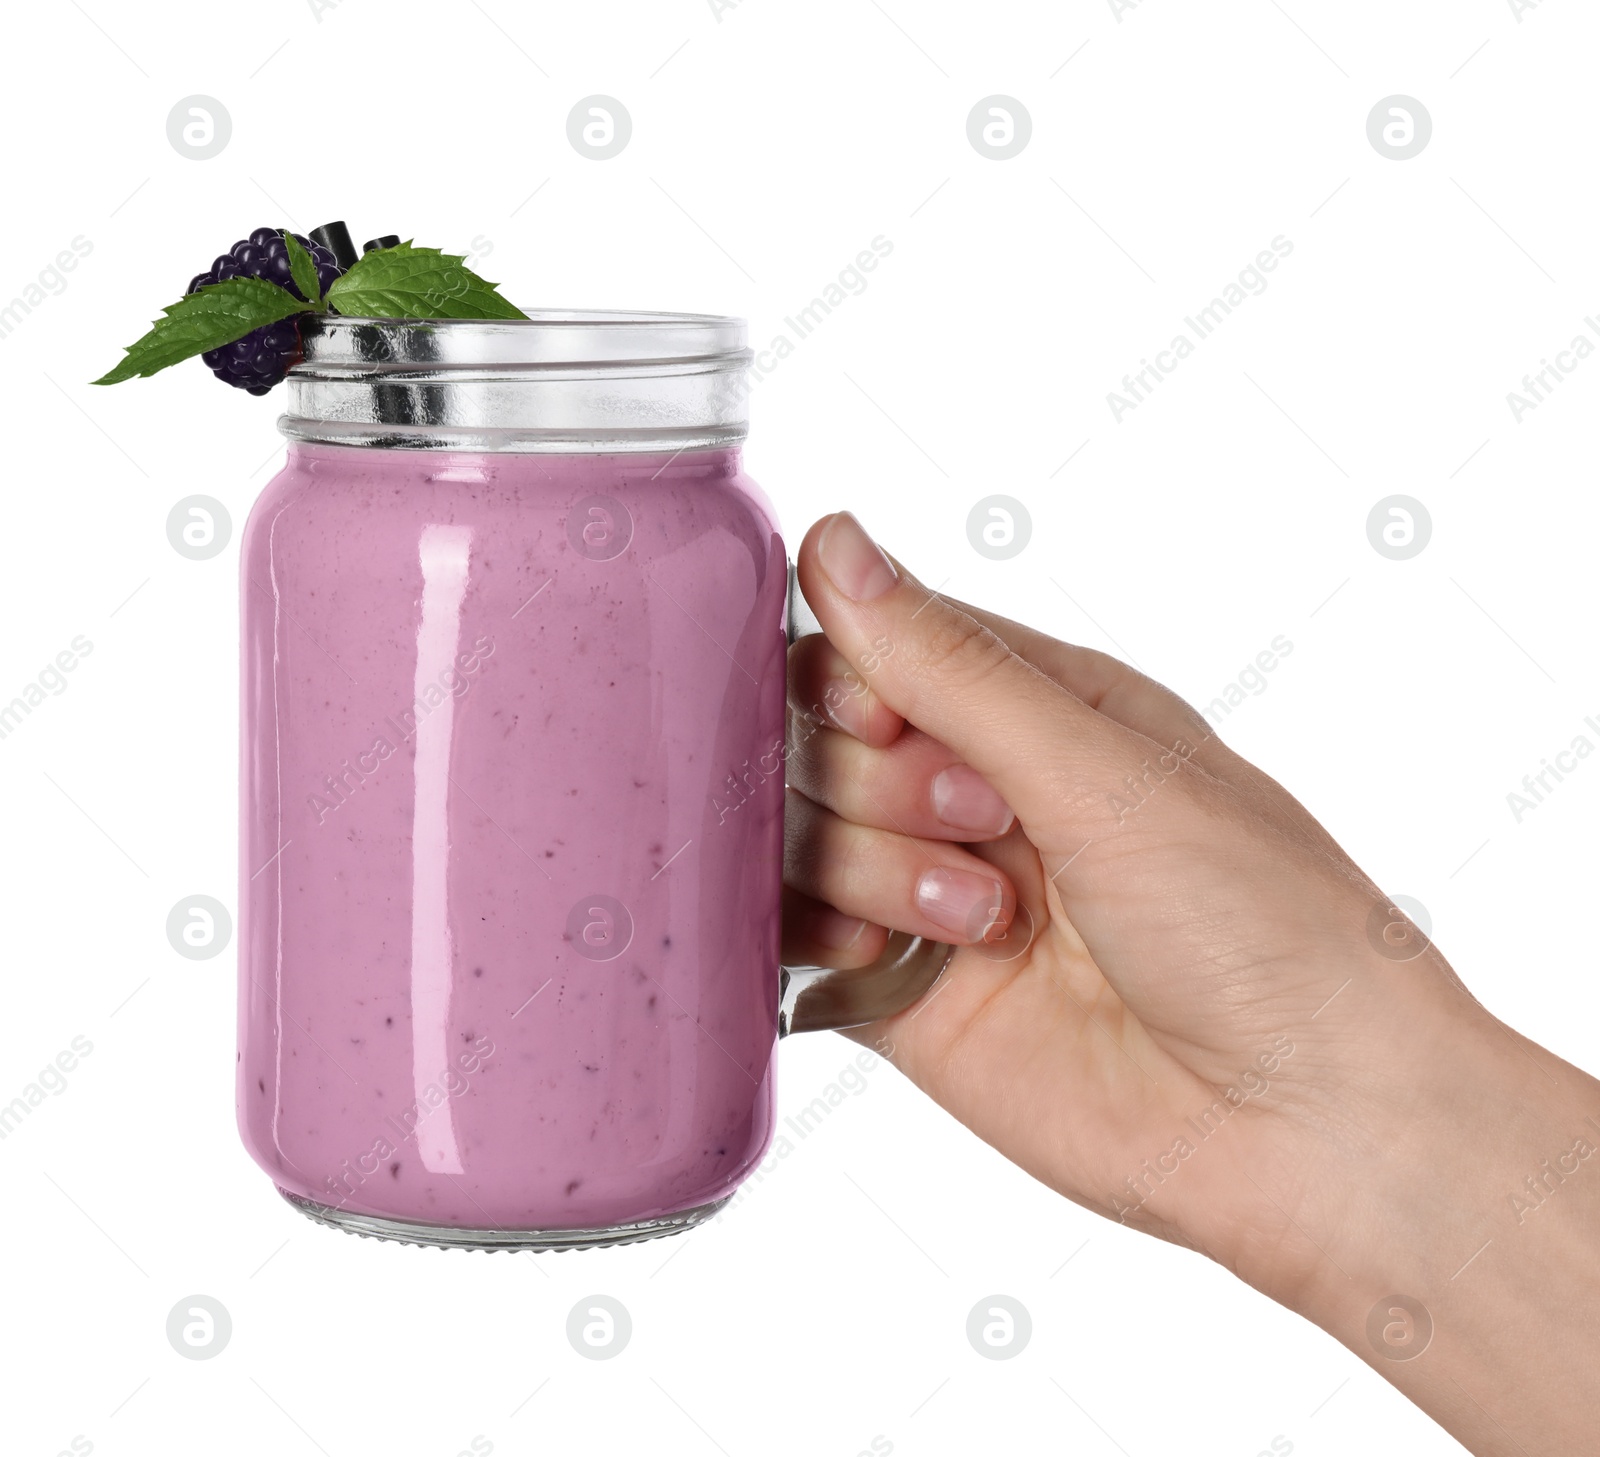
(1483, 1133)
(1452, 1243)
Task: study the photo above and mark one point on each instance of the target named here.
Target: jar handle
(820, 999)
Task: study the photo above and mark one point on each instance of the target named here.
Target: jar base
(449, 1237)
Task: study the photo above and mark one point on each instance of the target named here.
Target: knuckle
(822, 764)
(956, 652)
(859, 797)
(825, 856)
(852, 863)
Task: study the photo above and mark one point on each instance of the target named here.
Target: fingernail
(963, 799)
(853, 561)
(835, 930)
(846, 707)
(961, 902)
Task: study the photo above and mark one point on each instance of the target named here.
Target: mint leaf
(416, 283)
(216, 315)
(302, 269)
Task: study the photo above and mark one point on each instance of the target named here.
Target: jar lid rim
(604, 338)
(606, 377)
(594, 317)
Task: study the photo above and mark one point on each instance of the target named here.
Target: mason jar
(513, 680)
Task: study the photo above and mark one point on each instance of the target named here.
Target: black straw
(335, 237)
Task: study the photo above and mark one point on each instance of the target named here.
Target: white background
(770, 145)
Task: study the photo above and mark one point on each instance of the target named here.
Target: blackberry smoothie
(509, 860)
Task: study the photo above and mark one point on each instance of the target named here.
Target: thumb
(1060, 765)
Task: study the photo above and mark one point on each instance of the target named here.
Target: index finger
(1040, 745)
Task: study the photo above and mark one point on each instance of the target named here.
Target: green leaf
(416, 283)
(302, 269)
(216, 315)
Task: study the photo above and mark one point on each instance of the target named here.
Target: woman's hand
(1179, 1002)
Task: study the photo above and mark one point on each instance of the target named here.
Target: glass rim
(611, 341)
(560, 380)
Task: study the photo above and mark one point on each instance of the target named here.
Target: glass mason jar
(513, 688)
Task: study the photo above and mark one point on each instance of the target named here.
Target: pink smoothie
(512, 820)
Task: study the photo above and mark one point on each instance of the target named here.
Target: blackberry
(262, 358)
